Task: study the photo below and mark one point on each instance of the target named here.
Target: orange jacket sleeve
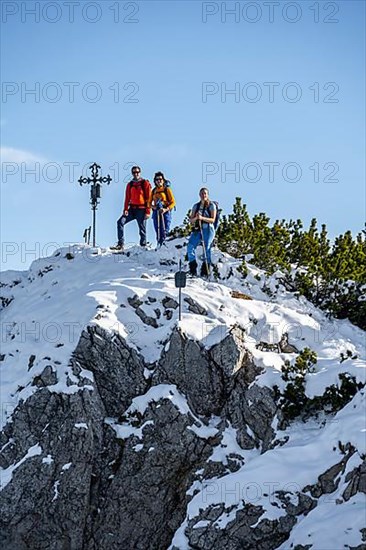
(147, 192)
(151, 198)
(127, 197)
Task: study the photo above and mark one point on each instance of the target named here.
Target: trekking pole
(204, 247)
(163, 224)
(158, 227)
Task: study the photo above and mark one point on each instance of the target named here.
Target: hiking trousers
(162, 225)
(137, 214)
(195, 239)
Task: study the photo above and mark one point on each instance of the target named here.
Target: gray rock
(135, 301)
(144, 502)
(356, 481)
(240, 533)
(194, 306)
(329, 480)
(186, 365)
(169, 303)
(117, 368)
(254, 407)
(285, 346)
(92, 487)
(304, 506)
(168, 313)
(151, 321)
(48, 377)
(46, 505)
(31, 361)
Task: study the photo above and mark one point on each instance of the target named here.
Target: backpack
(216, 222)
(167, 185)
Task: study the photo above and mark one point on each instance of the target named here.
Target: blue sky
(160, 56)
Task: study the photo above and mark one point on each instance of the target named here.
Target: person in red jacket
(136, 207)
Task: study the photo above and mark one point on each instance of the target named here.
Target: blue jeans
(195, 239)
(137, 214)
(161, 225)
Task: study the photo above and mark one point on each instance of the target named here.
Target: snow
(52, 303)
(204, 432)
(55, 489)
(298, 463)
(7, 473)
(201, 524)
(229, 446)
(126, 431)
(42, 319)
(156, 394)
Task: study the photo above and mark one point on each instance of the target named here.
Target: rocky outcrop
(356, 482)
(112, 460)
(47, 502)
(142, 494)
(118, 370)
(239, 533)
(218, 382)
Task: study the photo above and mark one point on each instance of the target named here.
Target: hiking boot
(118, 247)
(193, 268)
(205, 269)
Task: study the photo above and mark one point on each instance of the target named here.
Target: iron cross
(96, 182)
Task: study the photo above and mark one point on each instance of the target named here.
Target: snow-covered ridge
(47, 308)
(131, 300)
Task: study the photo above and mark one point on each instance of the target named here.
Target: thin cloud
(10, 154)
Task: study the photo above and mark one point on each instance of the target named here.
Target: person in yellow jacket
(161, 202)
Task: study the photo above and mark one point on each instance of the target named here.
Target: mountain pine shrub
(332, 276)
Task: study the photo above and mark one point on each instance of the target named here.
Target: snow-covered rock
(124, 427)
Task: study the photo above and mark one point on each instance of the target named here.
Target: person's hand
(147, 216)
(125, 213)
(199, 217)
